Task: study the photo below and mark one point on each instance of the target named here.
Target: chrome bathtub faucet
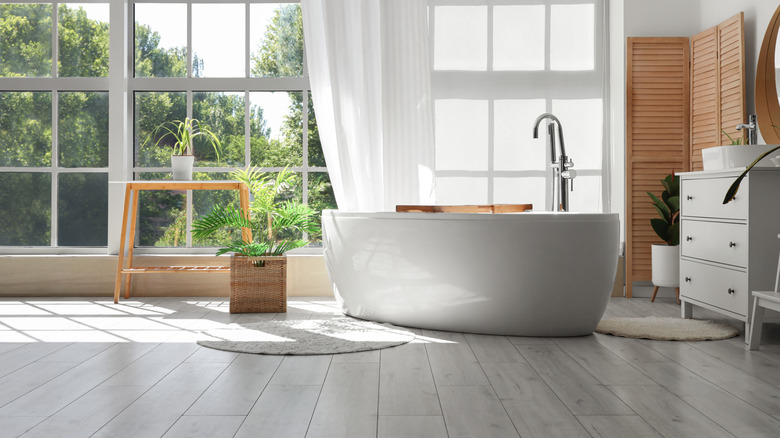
(563, 172)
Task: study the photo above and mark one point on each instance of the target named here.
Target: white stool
(761, 301)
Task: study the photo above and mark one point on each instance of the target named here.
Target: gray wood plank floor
(88, 367)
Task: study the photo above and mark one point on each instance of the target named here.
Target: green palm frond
(220, 217)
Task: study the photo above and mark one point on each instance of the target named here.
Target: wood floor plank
(211, 355)
(77, 352)
(281, 412)
(474, 411)
(238, 388)
(731, 413)
(755, 363)
(668, 414)
(348, 404)
(205, 427)
(617, 426)
(452, 361)
(411, 426)
(154, 365)
(532, 406)
(302, 370)
(359, 357)
(750, 389)
(406, 385)
(24, 380)
(16, 426)
(582, 393)
(493, 349)
(630, 350)
(600, 362)
(89, 413)
(152, 414)
(29, 353)
(62, 390)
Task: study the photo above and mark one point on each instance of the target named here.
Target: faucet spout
(563, 177)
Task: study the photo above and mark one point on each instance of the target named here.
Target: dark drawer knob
(688, 238)
(687, 279)
(731, 291)
(689, 197)
(732, 244)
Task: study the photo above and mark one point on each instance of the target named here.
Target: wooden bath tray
(490, 208)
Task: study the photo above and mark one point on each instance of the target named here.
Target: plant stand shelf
(132, 188)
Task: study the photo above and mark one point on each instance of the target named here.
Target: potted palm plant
(258, 264)
(666, 258)
(183, 133)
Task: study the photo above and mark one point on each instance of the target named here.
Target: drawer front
(704, 198)
(715, 241)
(719, 287)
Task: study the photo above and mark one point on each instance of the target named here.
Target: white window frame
(548, 84)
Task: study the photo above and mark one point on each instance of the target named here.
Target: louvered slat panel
(732, 76)
(657, 137)
(704, 86)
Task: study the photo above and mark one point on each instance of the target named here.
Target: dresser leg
(686, 310)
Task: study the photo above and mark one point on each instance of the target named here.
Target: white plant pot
(182, 167)
(666, 265)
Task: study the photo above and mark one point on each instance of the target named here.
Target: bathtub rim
(529, 216)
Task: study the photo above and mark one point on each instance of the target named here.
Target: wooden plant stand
(132, 188)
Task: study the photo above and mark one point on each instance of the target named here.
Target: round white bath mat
(667, 329)
(305, 337)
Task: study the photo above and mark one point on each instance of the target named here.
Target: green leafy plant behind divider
(668, 207)
(276, 223)
(183, 133)
(734, 141)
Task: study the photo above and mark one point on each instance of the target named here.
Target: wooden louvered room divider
(657, 137)
(717, 86)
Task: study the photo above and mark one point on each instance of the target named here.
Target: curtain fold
(370, 79)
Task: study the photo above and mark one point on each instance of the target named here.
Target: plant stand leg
(655, 291)
(677, 295)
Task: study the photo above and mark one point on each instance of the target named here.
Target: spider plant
(732, 191)
(276, 222)
(734, 141)
(184, 133)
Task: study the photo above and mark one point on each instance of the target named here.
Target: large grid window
(496, 67)
(54, 124)
(239, 69)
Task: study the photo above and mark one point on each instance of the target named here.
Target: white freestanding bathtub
(523, 274)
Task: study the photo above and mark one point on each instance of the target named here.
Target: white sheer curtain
(370, 78)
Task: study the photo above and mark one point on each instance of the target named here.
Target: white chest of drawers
(728, 250)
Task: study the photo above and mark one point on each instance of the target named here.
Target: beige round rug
(305, 337)
(666, 329)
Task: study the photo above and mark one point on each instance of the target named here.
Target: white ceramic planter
(182, 167)
(666, 265)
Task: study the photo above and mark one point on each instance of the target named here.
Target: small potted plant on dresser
(666, 258)
(183, 133)
(258, 266)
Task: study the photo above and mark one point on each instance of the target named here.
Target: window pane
(460, 38)
(461, 190)
(162, 215)
(321, 197)
(83, 39)
(461, 134)
(26, 209)
(587, 196)
(515, 148)
(25, 129)
(151, 110)
(160, 40)
(218, 40)
(523, 190)
(572, 37)
(276, 130)
(83, 209)
(83, 129)
(203, 201)
(25, 40)
(316, 156)
(585, 118)
(518, 37)
(222, 114)
(276, 40)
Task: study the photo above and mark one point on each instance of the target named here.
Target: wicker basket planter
(258, 284)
